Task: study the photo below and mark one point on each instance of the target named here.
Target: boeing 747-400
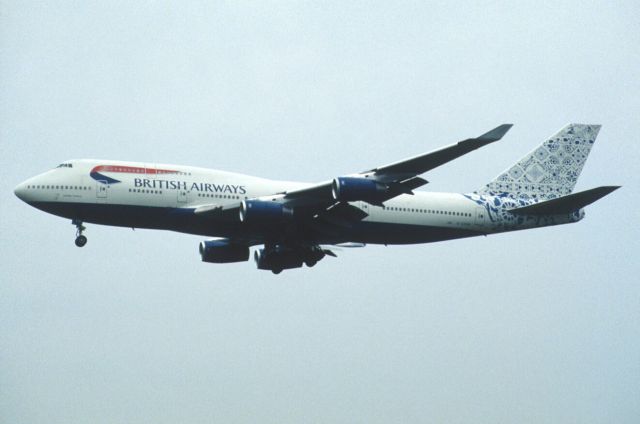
(297, 223)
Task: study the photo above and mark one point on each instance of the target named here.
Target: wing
(420, 164)
(400, 177)
(324, 204)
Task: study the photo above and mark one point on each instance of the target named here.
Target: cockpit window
(65, 165)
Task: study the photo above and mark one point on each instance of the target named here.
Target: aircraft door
(183, 196)
(481, 216)
(102, 191)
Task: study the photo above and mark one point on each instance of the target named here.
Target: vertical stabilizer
(551, 170)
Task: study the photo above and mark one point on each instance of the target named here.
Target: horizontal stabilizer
(565, 204)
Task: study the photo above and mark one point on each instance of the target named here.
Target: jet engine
(278, 259)
(281, 257)
(264, 211)
(350, 189)
(223, 251)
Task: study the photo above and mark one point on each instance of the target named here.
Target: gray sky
(540, 326)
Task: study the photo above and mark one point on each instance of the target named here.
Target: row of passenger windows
(432, 211)
(231, 196)
(144, 190)
(57, 187)
(219, 196)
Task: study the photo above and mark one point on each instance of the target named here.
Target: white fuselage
(159, 196)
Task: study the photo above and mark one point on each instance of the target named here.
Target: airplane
(300, 223)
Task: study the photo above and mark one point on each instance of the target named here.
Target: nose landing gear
(80, 239)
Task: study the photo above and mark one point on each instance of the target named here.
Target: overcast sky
(540, 326)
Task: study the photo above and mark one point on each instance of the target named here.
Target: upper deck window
(65, 165)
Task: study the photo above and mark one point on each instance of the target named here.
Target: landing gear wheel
(81, 241)
(276, 270)
(310, 262)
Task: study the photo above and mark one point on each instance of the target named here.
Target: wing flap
(342, 214)
(229, 212)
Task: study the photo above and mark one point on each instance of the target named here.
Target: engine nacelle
(279, 259)
(222, 252)
(283, 257)
(351, 189)
(264, 211)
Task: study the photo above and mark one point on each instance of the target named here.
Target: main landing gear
(80, 239)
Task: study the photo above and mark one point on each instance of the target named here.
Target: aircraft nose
(20, 190)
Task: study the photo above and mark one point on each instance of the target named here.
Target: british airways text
(183, 185)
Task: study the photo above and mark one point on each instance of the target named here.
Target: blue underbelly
(186, 221)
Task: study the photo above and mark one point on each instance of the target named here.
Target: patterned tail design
(551, 170)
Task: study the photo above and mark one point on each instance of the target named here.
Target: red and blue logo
(97, 173)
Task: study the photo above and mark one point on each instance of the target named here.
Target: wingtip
(497, 133)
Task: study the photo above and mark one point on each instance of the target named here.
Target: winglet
(496, 134)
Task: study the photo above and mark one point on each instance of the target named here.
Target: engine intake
(264, 211)
(351, 189)
(223, 251)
